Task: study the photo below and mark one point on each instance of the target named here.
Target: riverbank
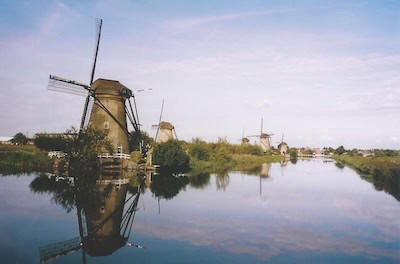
(16, 159)
(236, 162)
(382, 172)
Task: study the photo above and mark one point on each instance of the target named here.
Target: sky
(323, 73)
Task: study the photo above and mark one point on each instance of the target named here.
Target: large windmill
(107, 104)
(165, 130)
(265, 139)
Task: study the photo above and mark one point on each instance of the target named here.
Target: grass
(383, 172)
(14, 148)
(17, 159)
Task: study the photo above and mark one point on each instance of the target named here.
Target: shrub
(200, 151)
(170, 156)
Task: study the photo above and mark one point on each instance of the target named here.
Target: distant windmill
(106, 102)
(165, 130)
(244, 140)
(265, 139)
(283, 146)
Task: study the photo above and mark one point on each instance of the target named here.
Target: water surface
(311, 211)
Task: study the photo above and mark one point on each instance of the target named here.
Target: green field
(16, 159)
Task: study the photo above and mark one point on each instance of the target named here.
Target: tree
(170, 156)
(145, 140)
(47, 142)
(293, 153)
(20, 139)
(340, 150)
(200, 150)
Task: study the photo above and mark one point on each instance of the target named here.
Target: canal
(312, 211)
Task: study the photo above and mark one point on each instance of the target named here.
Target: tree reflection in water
(200, 181)
(168, 185)
(222, 180)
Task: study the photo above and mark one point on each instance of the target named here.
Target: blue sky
(325, 73)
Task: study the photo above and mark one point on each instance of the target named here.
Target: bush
(200, 151)
(293, 153)
(46, 142)
(170, 156)
(20, 139)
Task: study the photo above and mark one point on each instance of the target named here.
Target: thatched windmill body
(165, 130)
(265, 139)
(283, 147)
(106, 105)
(244, 140)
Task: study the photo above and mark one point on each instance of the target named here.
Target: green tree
(46, 142)
(170, 156)
(340, 150)
(293, 153)
(200, 150)
(20, 139)
(82, 150)
(144, 139)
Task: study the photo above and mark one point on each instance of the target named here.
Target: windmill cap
(263, 135)
(110, 87)
(165, 125)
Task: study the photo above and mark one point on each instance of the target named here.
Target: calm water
(312, 211)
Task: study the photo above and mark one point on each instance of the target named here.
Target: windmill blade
(262, 125)
(62, 85)
(99, 23)
(159, 120)
(176, 136)
(282, 137)
(89, 111)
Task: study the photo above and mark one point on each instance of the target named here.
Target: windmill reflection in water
(105, 214)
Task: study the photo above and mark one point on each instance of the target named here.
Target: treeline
(202, 157)
(359, 152)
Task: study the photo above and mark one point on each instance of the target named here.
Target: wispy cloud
(192, 22)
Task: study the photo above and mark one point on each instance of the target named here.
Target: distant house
(6, 140)
(366, 153)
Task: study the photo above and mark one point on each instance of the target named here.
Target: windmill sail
(84, 121)
(63, 85)
(159, 121)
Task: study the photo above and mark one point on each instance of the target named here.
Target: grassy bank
(232, 162)
(383, 172)
(16, 148)
(22, 159)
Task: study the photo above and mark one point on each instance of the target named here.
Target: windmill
(265, 139)
(244, 140)
(165, 130)
(107, 105)
(283, 146)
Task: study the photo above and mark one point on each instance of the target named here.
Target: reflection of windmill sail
(104, 226)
